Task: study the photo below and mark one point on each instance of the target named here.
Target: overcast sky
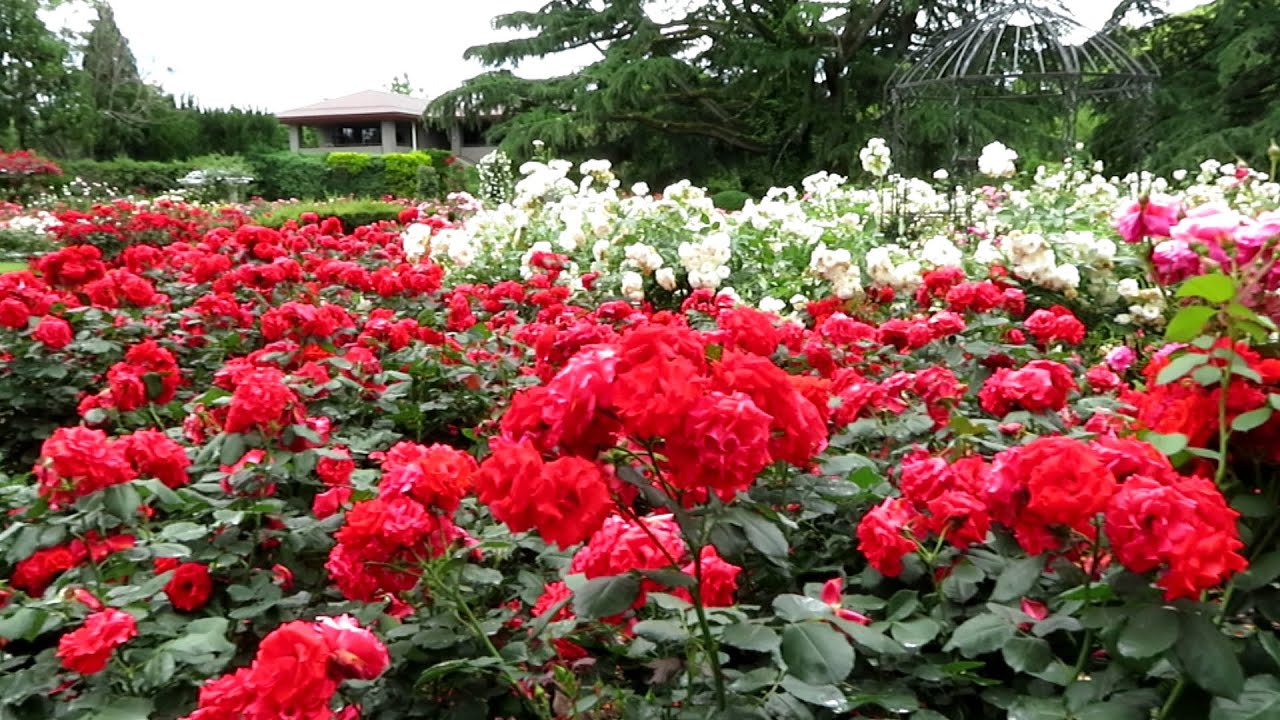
(279, 54)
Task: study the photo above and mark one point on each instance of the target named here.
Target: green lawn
(7, 267)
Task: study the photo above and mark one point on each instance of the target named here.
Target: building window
(404, 134)
(357, 135)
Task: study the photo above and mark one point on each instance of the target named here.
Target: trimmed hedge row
(282, 175)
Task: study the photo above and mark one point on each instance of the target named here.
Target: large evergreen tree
(36, 83)
(125, 105)
(1219, 92)
(727, 91)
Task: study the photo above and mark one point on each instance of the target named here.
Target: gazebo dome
(959, 91)
(1027, 49)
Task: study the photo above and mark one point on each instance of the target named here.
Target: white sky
(279, 54)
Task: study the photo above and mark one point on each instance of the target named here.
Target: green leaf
(1148, 633)
(1207, 375)
(1244, 422)
(1032, 708)
(233, 447)
(798, 608)
(982, 634)
(842, 465)
(660, 631)
(901, 605)
(1187, 323)
(827, 696)
(1261, 572)
(750, 636)
(1113, 711)
(962, 584)
(1026, 654)
(817, 653)
(871, 639)
(764, 536)
(915, 633)
(1017, 579)
(122, 500)
(606, 596)
(1170, 444)
(128, 708)
(183, 531)
(25, 624)
(1260, 700)
(1207, 657)
(1214, 287)
(1180, 366)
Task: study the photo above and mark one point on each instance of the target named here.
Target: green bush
(730, 199)
(351, 213)
(355, 174)
(428, 183)
(18, 245)
(130, 176)
(289, 175)
(401, 172)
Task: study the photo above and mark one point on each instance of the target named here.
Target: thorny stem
(462, 611)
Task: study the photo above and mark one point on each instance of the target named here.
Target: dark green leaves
(1260, 700)
(606, 596)
(1017, 579)
(980, 635)
(1148, 633)
(817, 653)
(749, 636)
(1207, 657)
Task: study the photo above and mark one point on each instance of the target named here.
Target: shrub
(730, 199)
(355, 175)
(18, 245)
(289, 175)
(401, 172)
(351, 213)
(131, 176)
(429, 183)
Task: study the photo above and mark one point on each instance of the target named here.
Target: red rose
(53, 332)
(14, 313)
(87, 649)
(1049, 484)
(77, 461)
(329, 502)
(153, 454)
(190, 586)
(336, 471)
(882, 535)
(724, 445)
(719, 579)
(438, 476)
(354, 651)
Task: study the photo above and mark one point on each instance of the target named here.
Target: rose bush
(294, 473)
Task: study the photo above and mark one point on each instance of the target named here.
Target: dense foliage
(312, 472)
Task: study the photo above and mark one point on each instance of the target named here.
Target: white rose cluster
(875, 157)
(997, 160)
(707, 260)
(835, 265)
(643, 257)
(1146, 305)
(1031, 257)
(890, 265)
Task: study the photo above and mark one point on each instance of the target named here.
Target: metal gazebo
(1018, 51)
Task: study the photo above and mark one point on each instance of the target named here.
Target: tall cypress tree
(124, 103)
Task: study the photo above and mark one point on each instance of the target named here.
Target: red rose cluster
(88, 648)
(34, 573)
(706, 418)
(1053, 494)
(383, 541)
(78, 461)
(296, 673)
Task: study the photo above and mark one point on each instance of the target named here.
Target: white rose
(632, 286)
(666, 278)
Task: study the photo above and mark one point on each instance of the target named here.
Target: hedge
(351, 213)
